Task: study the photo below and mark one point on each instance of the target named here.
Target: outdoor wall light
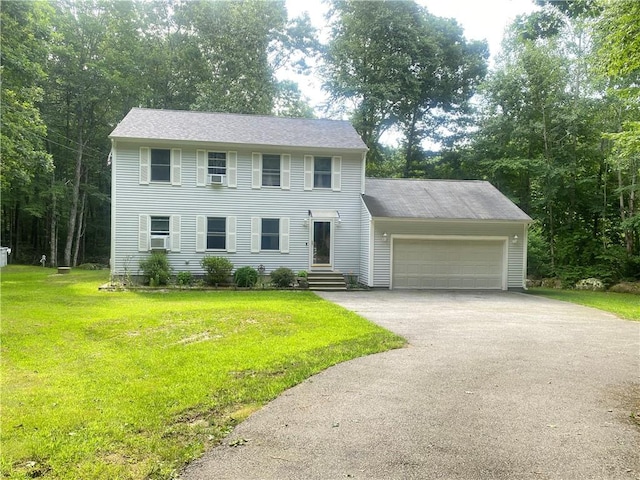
(305, 222)
(384, 237)
(514, 240)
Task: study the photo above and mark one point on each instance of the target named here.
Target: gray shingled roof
(439, 199)
(142, 123)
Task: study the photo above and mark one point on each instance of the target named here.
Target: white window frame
(310, 173)
(145, 233)
(283, 234)
(202, 233)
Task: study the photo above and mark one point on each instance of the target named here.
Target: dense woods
(554, 124)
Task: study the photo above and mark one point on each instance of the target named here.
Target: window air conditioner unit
(159, 242)
(216, 179)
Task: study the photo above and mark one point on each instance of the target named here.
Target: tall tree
(398, 67)
(24, 33)
(618, 59)
(234, 39)
(92, 82)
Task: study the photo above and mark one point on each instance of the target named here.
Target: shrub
(592, 284)
(283, 277)
(626, 287)
(184, 279)
(217, 269)
(245, 277)
(156, 269)
(90, 266)
(303, 274)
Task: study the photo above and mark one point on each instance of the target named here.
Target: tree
(92, 81)
(400, 68)
(618, 59)
(540, 141)
(234, 40)
(24, 34)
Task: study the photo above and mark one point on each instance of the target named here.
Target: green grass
(624, 305)
(134, 384)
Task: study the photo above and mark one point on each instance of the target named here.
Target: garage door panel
(448, 264)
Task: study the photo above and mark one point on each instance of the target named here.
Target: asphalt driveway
(491, 386)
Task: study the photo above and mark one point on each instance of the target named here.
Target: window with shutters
(216, 233)
(160, 165)
(322, 172)
(270, 170)
(160, 226)
(270, 236)
(217, 163)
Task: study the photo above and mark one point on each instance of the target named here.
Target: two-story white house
(277, 191)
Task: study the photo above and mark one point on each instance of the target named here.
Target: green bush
(184, 279)
(156, 269)
(245, 277)
(283, 277)
(217, 270)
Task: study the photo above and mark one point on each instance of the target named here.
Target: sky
(480, 19)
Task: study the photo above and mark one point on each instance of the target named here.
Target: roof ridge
(429, 179)
(252, 115)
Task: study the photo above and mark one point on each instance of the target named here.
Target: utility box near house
(4, 253)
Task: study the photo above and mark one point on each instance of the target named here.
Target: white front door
(321, 244)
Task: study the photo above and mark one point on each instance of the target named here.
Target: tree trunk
(411, 138)
(53, 226)
(80, 229)
(75, 199)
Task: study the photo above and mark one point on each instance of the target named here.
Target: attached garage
(442, 234)
(449, 263)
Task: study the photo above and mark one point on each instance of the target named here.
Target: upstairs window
(217, 163)
(160, 165)
(216, 233)
(322, 172)
(270, 170)
(270, 238)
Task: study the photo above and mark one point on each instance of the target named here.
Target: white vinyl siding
(194, 203)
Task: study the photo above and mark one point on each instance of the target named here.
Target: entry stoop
(326, 281)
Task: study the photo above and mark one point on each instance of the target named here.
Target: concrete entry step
(326, 281)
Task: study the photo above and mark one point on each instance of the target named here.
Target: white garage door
(448, 264)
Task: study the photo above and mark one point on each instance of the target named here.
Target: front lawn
(133, 385)
(625, 305)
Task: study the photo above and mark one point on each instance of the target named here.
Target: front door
(321, 244)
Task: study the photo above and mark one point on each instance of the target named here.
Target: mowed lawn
(624, 305)
(133, 385)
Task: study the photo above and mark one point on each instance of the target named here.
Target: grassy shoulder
(624, 305)
(134, 384)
